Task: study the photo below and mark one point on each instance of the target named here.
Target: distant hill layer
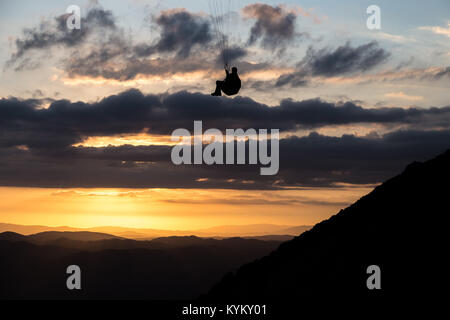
(78, 235)
(92, 241)
(163, 268)
(254, 230)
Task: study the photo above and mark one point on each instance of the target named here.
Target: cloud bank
(36, 144)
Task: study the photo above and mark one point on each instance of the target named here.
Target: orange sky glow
(176, 209)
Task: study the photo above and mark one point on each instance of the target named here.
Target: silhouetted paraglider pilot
(230, 86)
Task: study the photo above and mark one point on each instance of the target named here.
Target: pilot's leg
(218, 91)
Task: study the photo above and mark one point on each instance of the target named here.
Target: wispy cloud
(330, 63)
(401, 95)
(393, 37)
(438, 30)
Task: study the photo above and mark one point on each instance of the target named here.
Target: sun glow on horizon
(171, 209)
(138, 139)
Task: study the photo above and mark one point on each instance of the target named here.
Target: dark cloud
(232, 54)
(36, 144)
(104, 49)
(310, 161)
(101, 48)
(181, 31)
(322, 160)
(102, 60)
(343, 60)
(274, 26)
(55, 33)
(64, 123)
(294, 79)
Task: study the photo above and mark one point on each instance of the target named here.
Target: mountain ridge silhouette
(225, 231)
(383, 228)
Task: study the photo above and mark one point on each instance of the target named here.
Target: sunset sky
(86, 115)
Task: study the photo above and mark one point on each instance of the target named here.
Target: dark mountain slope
(397, 227)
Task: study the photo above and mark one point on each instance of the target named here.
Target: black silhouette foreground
(230, 86)
(398, 226)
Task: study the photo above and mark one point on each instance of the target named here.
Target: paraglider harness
(230, 86)
(232, 83)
